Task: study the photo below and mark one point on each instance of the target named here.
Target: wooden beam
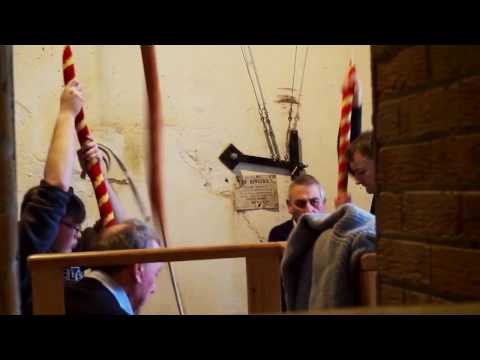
(187, 253)
(48, 288)
(9, 295)
(263, 284)
(433, 309)
(367, 279)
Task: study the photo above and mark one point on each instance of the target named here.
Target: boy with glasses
(50, 213)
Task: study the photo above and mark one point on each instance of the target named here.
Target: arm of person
(44, 207)
(342, 198)
(88, 151)
(61, 154)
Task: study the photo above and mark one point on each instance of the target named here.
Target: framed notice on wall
(256, 192)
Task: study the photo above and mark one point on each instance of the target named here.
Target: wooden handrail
(368, 262)
(367, 280)
(125, 257)
(426, 309)
(262, 263)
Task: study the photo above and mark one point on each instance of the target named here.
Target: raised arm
(61, 154)
(88, 151)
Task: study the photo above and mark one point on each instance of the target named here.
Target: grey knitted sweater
(319, 268)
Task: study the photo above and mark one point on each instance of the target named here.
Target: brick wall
(427, 136)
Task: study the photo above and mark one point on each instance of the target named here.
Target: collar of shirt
(117, 291)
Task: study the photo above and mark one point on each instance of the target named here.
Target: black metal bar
(232, 157)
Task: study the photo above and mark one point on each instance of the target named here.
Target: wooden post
(48, 287)
(263, 283)
(9, 296)
(368, 279)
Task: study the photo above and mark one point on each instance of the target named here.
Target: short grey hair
(307, 180)
(136, 235)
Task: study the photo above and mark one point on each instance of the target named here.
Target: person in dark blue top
(305, 185)
(282, 231)
(305, 195)
(51, 214)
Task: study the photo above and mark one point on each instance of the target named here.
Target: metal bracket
(233, 158)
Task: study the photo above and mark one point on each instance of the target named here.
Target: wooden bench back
(262, 267)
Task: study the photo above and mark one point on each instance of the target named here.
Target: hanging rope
(260, 110)
(292, 125)
(108, 151)
(94, 169)
(156, 152)
(344, 133)
(289, 130)
(297, 115)
(264, 116)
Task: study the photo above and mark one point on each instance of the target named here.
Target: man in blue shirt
(116, 290)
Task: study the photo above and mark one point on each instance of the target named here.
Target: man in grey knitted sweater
(320, 266)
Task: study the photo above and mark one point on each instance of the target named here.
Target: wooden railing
(422, 309)
(367, 281)
(262, 267)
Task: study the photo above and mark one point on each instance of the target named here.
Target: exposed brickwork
(455, 162)
(452, 62)
(471, 216)
(391, 295)
(417, 298)
(456, 271)
(405, 71)
(387, 124)
(404, 260)
(452, 108)
(404, 167)
(427, 131)
(431, 213)
(389, 210)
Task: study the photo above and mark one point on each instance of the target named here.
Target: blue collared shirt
(117, 291)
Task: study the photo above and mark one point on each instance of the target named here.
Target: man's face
(305, 199)
(363, 170)
(146, 286)
(68, 236)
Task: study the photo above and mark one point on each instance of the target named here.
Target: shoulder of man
(89, 296)
(281, 232)
(40, 217)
